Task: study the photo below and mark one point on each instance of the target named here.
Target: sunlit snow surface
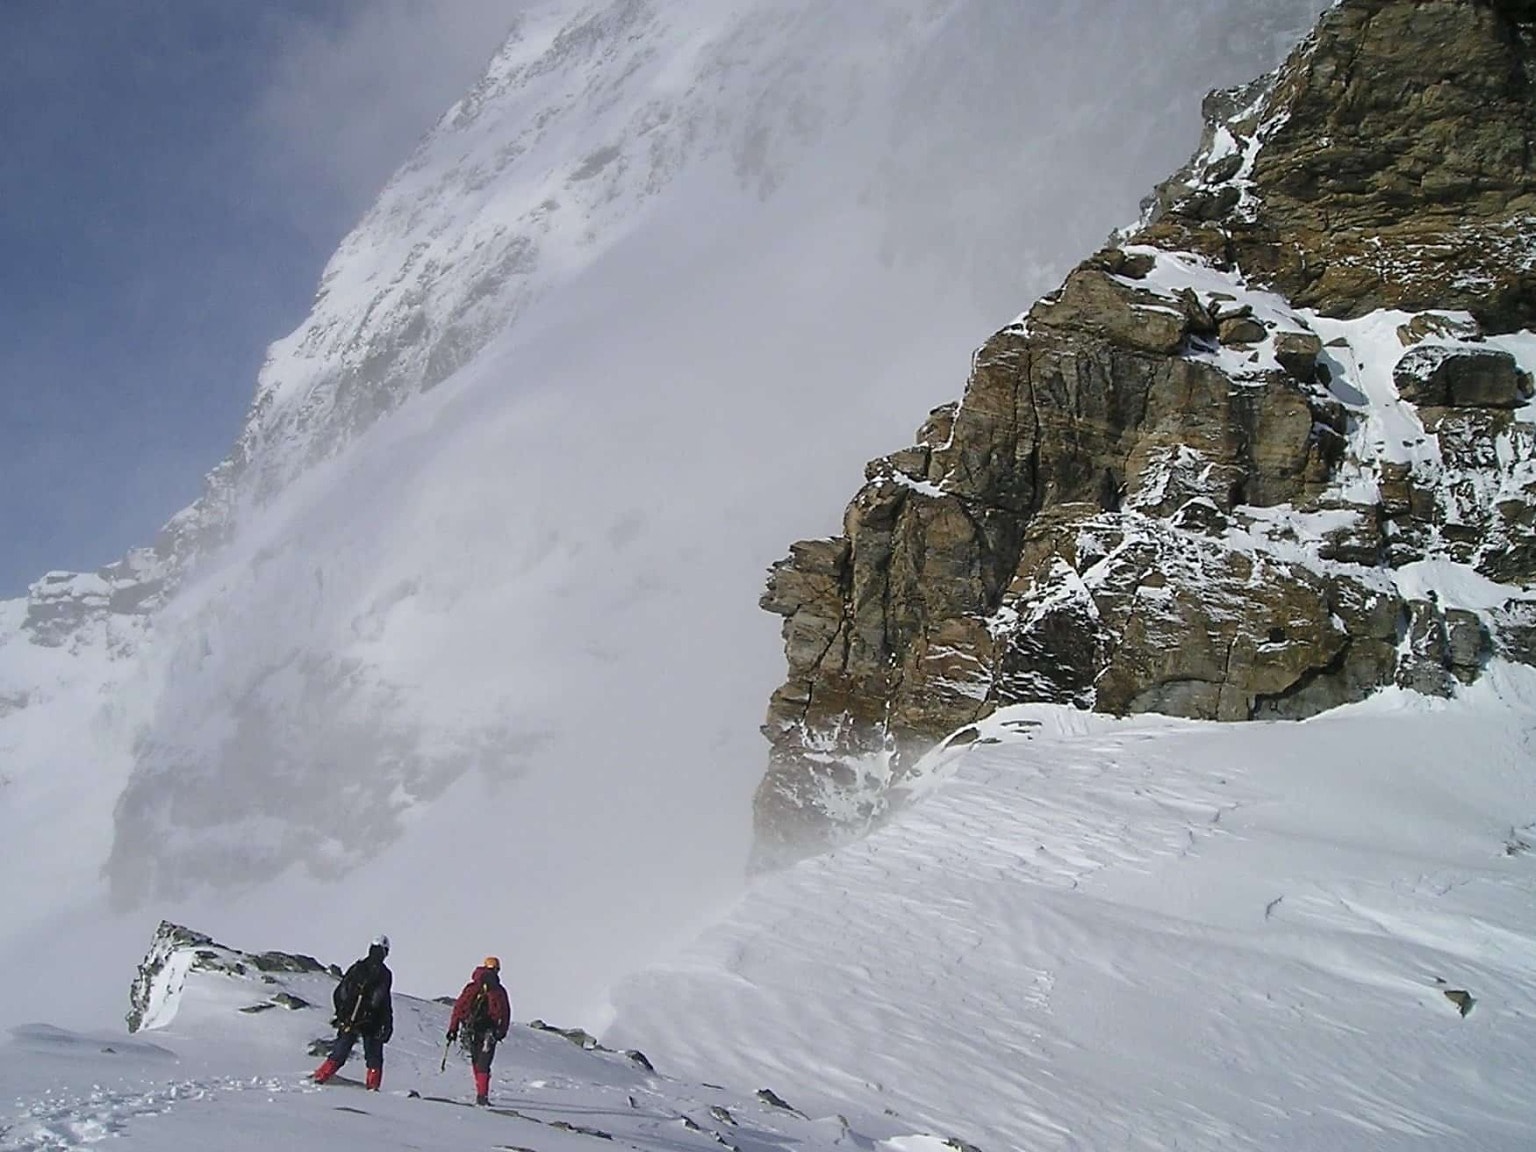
(1153, 934)
(217, 1078)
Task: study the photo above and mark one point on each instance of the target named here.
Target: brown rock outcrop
(1159, 492)
(1394, 171)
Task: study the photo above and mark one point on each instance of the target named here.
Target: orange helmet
(492, 963)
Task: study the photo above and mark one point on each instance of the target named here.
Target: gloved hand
(386, 1033)
(501, 1034)
(453, 1034)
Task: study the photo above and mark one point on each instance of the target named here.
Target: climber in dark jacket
(364, 1010)
(484, 1014)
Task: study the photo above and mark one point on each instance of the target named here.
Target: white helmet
(381, 941)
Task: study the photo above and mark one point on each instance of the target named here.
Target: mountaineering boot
(325, 1071)
(374, 1078)
(482, 1087)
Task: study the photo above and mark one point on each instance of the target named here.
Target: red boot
(374, 1078)
(482, 1087)
(325, 1071)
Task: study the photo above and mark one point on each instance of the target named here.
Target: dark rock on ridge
(1157, 496)
(207, 955)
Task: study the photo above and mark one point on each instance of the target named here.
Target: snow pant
(482, 1050)
(373, 1049)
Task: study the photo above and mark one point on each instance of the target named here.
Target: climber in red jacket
(482, 1014)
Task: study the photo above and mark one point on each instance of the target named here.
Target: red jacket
(498, 1008)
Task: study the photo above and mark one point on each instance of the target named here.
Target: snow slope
(1155, 934)
(1084, 934)
(484, 674)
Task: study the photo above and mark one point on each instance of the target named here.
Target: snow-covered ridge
(226, 1040)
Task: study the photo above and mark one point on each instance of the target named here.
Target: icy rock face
(1223, 471)
(65, 606)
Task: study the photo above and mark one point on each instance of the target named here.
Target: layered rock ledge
(1270, 452)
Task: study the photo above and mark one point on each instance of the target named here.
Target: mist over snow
(482, 667)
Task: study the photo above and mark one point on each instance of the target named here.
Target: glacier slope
(1157, 934)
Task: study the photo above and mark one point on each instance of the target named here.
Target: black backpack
(352, 994)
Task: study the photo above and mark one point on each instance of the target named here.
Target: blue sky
(173, 176)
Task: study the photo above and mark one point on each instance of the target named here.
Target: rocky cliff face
(1271, 451)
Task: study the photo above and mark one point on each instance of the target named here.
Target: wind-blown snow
(1155, 934)
(481, 667)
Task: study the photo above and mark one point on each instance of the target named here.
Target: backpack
(477, 1022)
(478, 1018)
(351, 996)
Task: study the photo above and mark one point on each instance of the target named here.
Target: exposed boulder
(1242, 330)
(1462, 999)
(1098, 304)
(1458, 376)
(1297, 353)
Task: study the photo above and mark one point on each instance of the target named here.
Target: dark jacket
(490, 1013)
(362, 999)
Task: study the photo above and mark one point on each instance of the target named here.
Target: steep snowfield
(1152, 934)
(491, 666)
